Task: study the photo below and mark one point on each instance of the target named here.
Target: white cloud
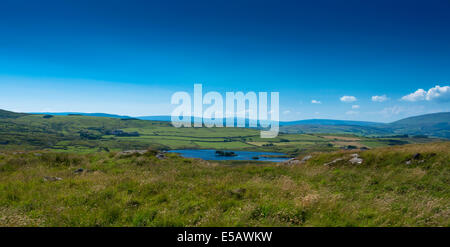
(417, 95)
(315, 101)
(286, 112)
(348, 99)
(351, 112)
(379, 98)
(355, 106)
(435, 93)
(439, 93)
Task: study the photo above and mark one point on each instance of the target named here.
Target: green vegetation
(392, 187)
(82, 134)
(70, 171)
(7, 114)
(435, 124)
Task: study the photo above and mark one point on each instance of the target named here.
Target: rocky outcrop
(160, 156)
(333, 162)
(52, 179)
(295, 161)
(306, 158)
(417, 157)
(356, 160)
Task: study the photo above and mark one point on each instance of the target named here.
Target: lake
(210, 154)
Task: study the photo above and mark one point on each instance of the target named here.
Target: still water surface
(210, 154)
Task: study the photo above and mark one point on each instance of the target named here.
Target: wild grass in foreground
(390, 188)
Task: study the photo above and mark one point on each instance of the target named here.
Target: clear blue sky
(128, 57)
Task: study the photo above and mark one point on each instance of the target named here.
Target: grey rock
(291, 162)
(333, 162)
(160, 156)
(79, 170)
(51, 179)
(356, 160)
(306, 158)
(294, 162)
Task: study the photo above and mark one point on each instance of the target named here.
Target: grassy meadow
(72, 171)
(84, 134)
(143, 190)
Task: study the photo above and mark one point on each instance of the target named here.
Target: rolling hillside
(336, 129)
(436, 124)
(425, 120)
(80, 113)
(89, 134)
(329, 122)
(8, 114)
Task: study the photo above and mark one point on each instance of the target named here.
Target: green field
(92, 134)
(143, 190)
(39, 186)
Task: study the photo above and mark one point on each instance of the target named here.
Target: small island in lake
(225, 153)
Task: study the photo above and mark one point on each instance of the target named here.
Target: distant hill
(329, 122)
(282, 123)
(427, 119)
(168, 119)
(81, 114)
(336, 129)
(19, 131)
(9, 114)
(435, 124)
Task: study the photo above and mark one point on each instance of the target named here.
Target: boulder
(79, 170)
(417, 156)
(294, 162)
(51, 179)
(291, 162)
(306, 158)
(356, 160)
(333, 162)
(160, 156)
